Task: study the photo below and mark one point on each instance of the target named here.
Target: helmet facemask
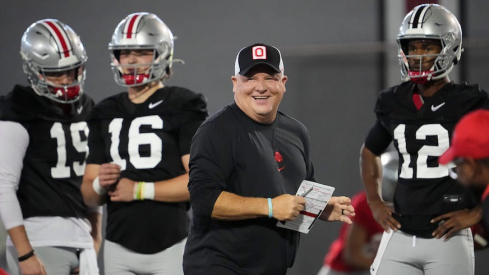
(442, 62)
(62, 93)
(157, 70)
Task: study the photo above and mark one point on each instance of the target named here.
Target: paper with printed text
(316, 200)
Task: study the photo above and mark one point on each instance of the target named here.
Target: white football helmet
(49, 46)
(142, 31)
(434, 22)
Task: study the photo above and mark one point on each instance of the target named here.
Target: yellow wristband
(141, 190)
(137, 190)
(144, 190)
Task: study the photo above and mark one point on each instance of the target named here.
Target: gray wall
(332, 90)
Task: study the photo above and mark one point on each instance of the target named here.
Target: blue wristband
(270, 208)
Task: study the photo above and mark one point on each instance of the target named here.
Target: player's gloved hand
(338, 209)
(452, 222)
(108, 175)
(287, 207)
(382, 213)
(32, 266)
(123, 191)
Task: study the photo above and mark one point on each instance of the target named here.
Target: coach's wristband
(26, 256)
(97, 188)
(270, 208)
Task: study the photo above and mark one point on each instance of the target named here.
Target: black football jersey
(421, 136)
(147, 140)
(54, 161)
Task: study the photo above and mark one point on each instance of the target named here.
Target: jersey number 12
(422, 169)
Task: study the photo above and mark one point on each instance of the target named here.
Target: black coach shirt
(231, 152)
(147, 140)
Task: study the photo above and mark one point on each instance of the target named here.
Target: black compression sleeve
(378, 139)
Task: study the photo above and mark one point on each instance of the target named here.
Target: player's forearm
(359, 260)
(172, 190)
(90, 197)
(371, 172)
(95, 219)
(476, 214)
(20, 240)
(230, 206)
(355, 252)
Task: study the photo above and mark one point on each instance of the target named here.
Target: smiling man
(246, 163)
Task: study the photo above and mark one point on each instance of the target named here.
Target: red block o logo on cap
(259, 52)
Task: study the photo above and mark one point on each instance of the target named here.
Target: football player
(432, 213)
(139, 152)
(42, 158)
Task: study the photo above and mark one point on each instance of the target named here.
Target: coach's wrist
(270, 208)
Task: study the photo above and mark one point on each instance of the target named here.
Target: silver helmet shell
(390, 172)
(50, 46)
(142, 31)
(430, 21)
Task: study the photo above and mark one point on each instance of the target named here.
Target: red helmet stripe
(130, 30)
(57, 32)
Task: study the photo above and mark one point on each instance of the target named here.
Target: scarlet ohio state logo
(259, 52)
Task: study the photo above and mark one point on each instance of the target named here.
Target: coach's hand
(452, 222)
(32, 266)
(338, 209)
(382, 213)
(287, 207)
